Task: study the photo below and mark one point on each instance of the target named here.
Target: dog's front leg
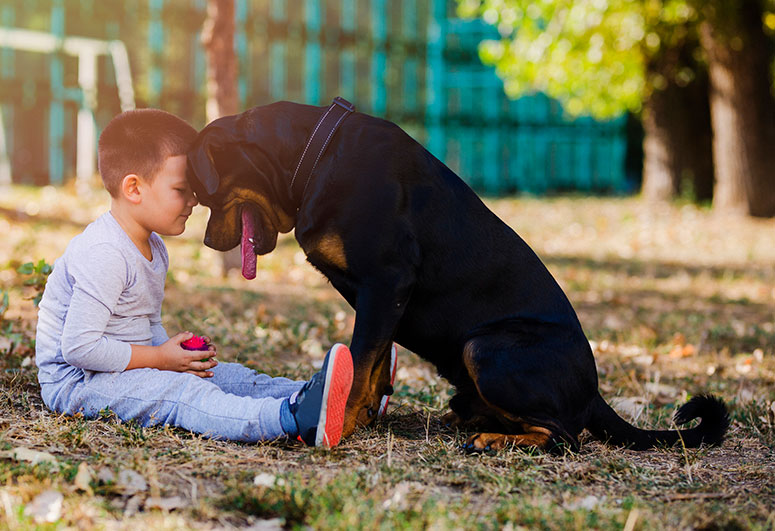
(378, 310)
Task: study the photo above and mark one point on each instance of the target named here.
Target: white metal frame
(87, 50)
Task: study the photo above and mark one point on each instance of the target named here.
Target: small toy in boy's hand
(196, 343)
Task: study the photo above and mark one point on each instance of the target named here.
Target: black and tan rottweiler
(424, 263)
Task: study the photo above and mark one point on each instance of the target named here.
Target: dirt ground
(674, 300)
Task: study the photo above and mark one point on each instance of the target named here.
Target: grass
(675, 301)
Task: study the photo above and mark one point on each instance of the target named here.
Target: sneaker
(393, 364)
(319, 406)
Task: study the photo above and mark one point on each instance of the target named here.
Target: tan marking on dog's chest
(331, 249)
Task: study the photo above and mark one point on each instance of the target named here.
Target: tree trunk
(218, 40)
(222, 99)
(742, 108)
(677, 142)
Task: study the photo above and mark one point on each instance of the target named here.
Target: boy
(100, 343)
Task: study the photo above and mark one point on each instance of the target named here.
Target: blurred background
(669, 97)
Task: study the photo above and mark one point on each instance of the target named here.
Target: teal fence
(410, 61)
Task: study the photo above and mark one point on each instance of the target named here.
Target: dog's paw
(537, 437)
(451, 420)
(485, 442)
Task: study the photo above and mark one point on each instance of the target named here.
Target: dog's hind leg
(523, 382)
(469, 411)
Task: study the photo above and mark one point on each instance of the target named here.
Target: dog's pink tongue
(249, 257)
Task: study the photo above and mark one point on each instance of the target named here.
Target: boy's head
(138, 142)
(142, 157)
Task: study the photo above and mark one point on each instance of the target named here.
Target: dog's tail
(606, 425)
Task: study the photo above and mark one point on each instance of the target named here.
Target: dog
(426, 264)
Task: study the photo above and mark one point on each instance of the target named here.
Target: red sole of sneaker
(339, 381)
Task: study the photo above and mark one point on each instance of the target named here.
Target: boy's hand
(173, 357)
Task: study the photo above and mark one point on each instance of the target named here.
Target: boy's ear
(130, 188)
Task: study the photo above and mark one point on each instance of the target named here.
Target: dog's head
(234, 177)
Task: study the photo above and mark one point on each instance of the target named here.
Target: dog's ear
(203, 175)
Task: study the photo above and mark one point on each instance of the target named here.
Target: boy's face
(167, 201)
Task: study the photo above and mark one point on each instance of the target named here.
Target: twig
(390, 449)
(193, 485)
(632, 518)
(695, 496)
(685, 452)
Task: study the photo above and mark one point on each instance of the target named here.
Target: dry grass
(675, 301)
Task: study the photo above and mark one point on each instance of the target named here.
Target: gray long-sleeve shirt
(102, 296)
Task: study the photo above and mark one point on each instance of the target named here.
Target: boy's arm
(170, 356)
(98, 282)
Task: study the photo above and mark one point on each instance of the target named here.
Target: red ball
(196, 343)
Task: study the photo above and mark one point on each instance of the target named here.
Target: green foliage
(12, 337)
(3, 303)
(39, 275)
(591, 56)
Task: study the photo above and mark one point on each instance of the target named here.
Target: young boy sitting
(100, 343)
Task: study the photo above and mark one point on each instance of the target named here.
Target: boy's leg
(154, 397)
(243, 381)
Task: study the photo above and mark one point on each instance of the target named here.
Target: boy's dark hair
(139, 141)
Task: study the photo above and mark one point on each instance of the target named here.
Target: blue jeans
(237, 403)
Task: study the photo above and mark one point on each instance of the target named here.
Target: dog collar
(317, 143)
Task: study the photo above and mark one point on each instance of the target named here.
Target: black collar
(317, 143)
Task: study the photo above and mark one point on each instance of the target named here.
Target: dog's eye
(370, 412)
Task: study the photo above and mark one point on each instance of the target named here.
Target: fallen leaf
(83, 477)
(630, 406)
(313, 348)
(31, 456)
(106, 475)
(744, 366)
(660, 389)
(46, 507)
(683, 351)
(132, 506)
(265, 480)
(398, 501)
(165, 504)
(587, 502)
(272, 524)
(131, 482)
(645, 360)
